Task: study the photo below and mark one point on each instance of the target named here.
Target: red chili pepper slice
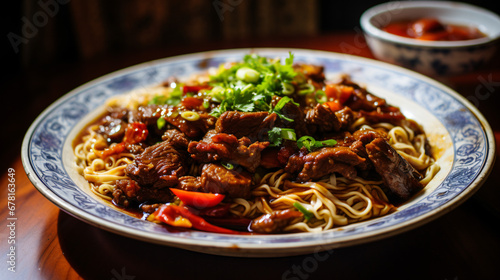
(220, 210)
(198, 199)
(169, 212)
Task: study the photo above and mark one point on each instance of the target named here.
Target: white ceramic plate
(462, 139)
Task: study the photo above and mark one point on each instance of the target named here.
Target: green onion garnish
(305, 89)
(287, 88)
(320, 97)
(307, 215)
(160, 123)
(227, 165)
(288, 134)
(310, 143)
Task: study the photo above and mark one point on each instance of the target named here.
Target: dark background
(74, 41)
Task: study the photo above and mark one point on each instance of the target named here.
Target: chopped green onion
(283, 101)
(206, 104)
(306, 141)
(277, 109)
(320, 97)
(327, 143)
(190, 116)
(288, 134)
(306, 89)
(247, 88)
(310, 143)
(307, 214)
(247, 75)
(172, 114)
(160, 123)
(217, 94)
(288, 89)
(227, 165)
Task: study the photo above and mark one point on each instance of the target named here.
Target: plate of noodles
(259, 152)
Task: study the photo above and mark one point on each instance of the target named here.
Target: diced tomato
(339, 93)
(136, 132)
(198, 199)
(333, 105)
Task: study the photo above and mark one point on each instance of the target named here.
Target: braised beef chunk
(190, 183)
(322, 119)
(383, 114)
(275, 222)
(360, 139)
(193, 129)
(293, 112)
(159, 166)
(175, 138)
(324, 161)
(119, 113)
(345, 117)
(361, 99)
(368, 135)
(241, 124)
(150, 114)
(215, 178)
(128, 191)
(398, 175)
(114, 124)
(113, 129)
(227, 147)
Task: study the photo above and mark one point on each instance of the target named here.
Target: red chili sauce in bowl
(431, 29)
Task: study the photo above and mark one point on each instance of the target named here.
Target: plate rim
(252, 249)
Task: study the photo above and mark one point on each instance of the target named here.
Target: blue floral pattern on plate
(42, 154)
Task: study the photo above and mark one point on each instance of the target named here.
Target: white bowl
(435, 58)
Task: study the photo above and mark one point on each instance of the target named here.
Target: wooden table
(50, 244)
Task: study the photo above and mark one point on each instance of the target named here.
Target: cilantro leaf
(174, 98)
(277, 134)
(249, 86)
